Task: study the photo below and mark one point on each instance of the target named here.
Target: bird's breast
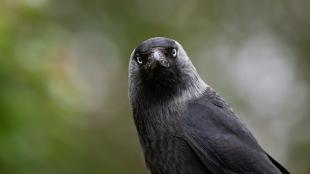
(165, 151)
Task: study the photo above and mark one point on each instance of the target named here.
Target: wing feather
(222, 142)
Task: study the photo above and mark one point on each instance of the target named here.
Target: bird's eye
(139, 60)
(174, 52)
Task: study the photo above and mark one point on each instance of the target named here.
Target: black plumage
(184, 126)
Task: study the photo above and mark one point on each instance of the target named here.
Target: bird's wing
(279, 166)
(222, 142)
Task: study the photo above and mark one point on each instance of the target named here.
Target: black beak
(157, 56)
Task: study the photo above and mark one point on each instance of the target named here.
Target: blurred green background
(63, 77)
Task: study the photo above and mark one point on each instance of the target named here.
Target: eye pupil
(139, 60)
(174, 52)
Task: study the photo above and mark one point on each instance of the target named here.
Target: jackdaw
(184, 126)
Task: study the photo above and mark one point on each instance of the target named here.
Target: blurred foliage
(63, 77)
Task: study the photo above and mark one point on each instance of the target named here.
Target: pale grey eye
(174, 52)
(139, 60)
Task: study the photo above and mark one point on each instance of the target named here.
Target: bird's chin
(154, 73)
(161, 82)
(156, 67)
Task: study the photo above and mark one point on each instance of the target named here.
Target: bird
(184, 126)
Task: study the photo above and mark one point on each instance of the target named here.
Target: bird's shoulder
(211, 114)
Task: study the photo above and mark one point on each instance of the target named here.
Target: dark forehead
(156, 42)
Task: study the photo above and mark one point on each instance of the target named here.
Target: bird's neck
(169, 97)
(195, 89)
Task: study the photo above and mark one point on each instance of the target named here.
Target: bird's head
(159, 68)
